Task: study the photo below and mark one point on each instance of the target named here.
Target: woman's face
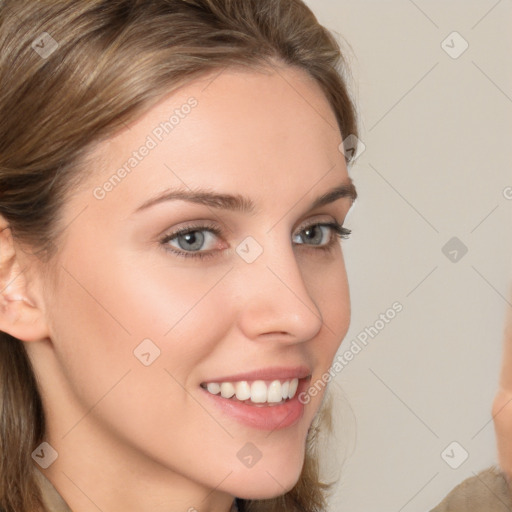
(141, 320)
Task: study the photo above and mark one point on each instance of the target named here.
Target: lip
(271, 373)
(262, 417)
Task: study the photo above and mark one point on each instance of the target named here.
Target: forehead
(235, 130)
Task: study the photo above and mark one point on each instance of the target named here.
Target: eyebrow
(239, 203)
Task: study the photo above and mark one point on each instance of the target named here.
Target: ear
(21, 312)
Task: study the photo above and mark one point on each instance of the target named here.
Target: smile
(255, 392)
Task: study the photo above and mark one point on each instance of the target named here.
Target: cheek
(328, 286)
(155, 409)
(179, 320)
(104, 312)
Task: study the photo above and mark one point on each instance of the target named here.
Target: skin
(502, 405)
(133, 437)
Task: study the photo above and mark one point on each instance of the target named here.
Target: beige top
(485, 492)
(54, 501)
(51, 498)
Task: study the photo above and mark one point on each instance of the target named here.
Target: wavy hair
(75, 72)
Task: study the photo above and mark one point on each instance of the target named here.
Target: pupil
(192, 239)
(310, 233)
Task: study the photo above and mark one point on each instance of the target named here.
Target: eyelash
(339, 231)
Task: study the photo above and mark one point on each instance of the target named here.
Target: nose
(274, 301)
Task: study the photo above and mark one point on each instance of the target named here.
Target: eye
(321, 234)
(198, 241)
(192, 241)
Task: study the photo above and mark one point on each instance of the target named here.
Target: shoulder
(53, 501)
(487, 491)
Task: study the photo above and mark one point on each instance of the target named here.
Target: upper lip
(270, 373)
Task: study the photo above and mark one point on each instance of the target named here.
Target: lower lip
(270, 417)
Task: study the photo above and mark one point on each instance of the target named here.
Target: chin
(263, 490)
(269, 481)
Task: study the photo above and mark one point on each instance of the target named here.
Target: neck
(107, 477)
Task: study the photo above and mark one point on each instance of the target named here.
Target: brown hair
(74, 72)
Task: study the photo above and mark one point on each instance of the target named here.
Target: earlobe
(20, 314)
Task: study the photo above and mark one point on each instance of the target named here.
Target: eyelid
(195, 226)
(214, 228)
(315, 221)
(338, 230)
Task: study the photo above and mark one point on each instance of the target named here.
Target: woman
(173, 188)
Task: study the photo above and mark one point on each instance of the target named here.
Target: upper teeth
(257, 391)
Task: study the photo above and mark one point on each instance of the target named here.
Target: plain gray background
(437, 128)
